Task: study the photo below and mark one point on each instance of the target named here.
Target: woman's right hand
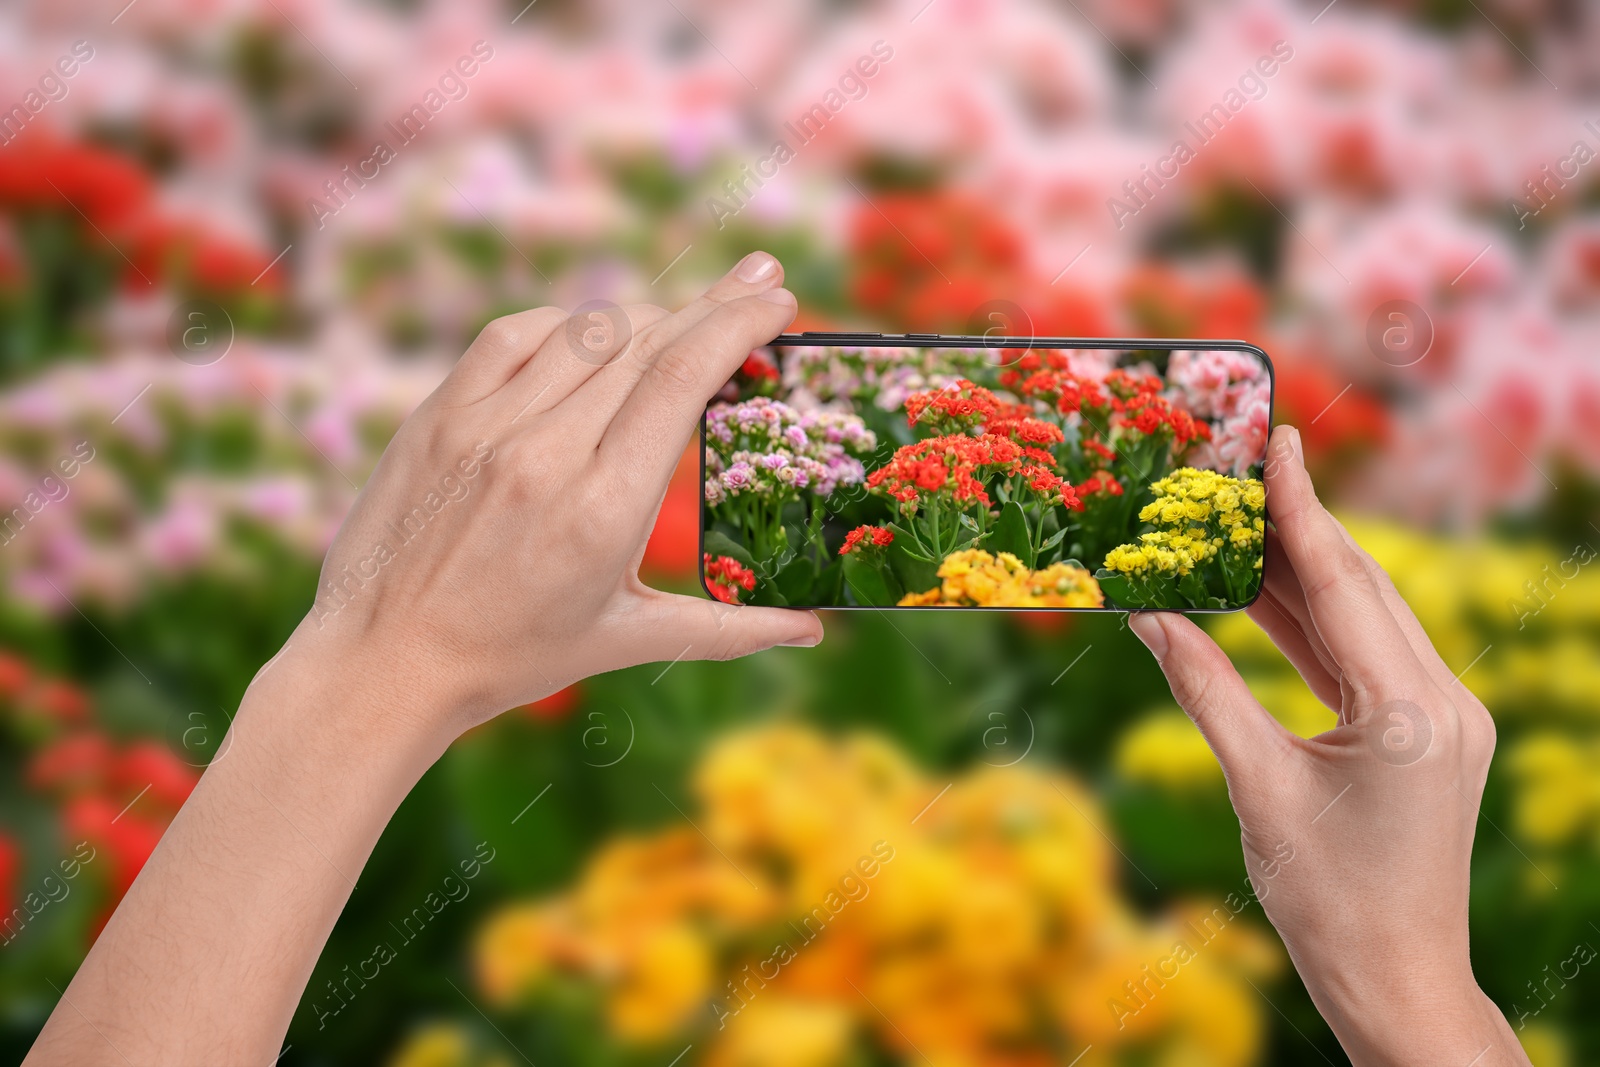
(492, 557)
(1358, 841)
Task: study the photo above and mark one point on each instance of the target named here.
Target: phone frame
(822, 339)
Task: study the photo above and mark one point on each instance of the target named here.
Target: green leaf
(720, 544)
(795, 581)
(870, 584)
(1119, 592)
(829, 586)
(915, 572)
(1010, 534)
(904, 542)
(1049, 543)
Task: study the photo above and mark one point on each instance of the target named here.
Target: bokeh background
(218, 300)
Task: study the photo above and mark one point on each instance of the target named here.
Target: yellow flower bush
(1205, 549)
(974, 578)
(843, 904)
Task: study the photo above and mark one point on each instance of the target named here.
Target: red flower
(127, 835)
(876, 536)
(725, 576)
(147, 763)
(1027, 431)
(758, 367)
(960, 406)
(78, 762)
(44, 172)
(669, 553)
(1102, 482)
(10, 863)
(557, 705)
(14, 676)
(62, 700)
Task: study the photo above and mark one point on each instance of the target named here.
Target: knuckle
(1342, 570)
(521, 332)
(673, 372)
(1193, 690)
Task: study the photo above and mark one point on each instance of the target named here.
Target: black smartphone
(856, 470)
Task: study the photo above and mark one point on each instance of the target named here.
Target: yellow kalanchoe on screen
(974, 578)
(1207, 543)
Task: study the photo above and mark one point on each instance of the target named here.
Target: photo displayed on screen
(877, 476)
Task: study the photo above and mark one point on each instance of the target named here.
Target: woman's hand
(491, 559)
(493, 556)
(1358, 841)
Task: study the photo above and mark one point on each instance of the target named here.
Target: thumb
(1242, 734)
(688, 627)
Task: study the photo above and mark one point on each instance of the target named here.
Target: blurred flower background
(239, 241)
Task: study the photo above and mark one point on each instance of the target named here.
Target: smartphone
(865, 470)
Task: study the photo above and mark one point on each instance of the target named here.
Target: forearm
(208, 954)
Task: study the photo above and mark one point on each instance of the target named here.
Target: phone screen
(954, 473)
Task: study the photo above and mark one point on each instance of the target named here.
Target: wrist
(1418, 1021)
(315, 704)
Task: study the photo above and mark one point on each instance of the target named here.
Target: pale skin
(527, 580)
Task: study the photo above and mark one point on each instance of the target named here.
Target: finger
(1241, 733)
(605, 393)
(1344, 604)
(662, 413)
(499, 351)
(586, 344)
(1421, 644)
(1284, 589)
(1291, 640)
(674, 628)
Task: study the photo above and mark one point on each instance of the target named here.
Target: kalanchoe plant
(1202, 548)
(1039, 462)
(762, 456)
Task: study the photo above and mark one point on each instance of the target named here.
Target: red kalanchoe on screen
(875, 536)
(725, 576)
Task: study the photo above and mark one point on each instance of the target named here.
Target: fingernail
(778, 296)
(802, 642)
(1294, 445)
(755, 266)
(1148, 629)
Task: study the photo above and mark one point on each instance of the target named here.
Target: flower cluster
(1137, 404)
(725, 576)
(826, 904)
(769, 449)
(959, 408)
(1232, 388)
(92, 778)
(1199, 517)
(960, 467)
(881, 377)
(865, 537)
(974, 578)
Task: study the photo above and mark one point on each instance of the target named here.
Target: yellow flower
(1197, 513)
(1166, 750)
(1545, 1046)
(667, 979)
(442, 1045)
(973, 577)
(512, 951)
(1560, 793)
(779, 1031)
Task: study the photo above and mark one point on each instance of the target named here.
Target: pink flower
(1242, 440)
